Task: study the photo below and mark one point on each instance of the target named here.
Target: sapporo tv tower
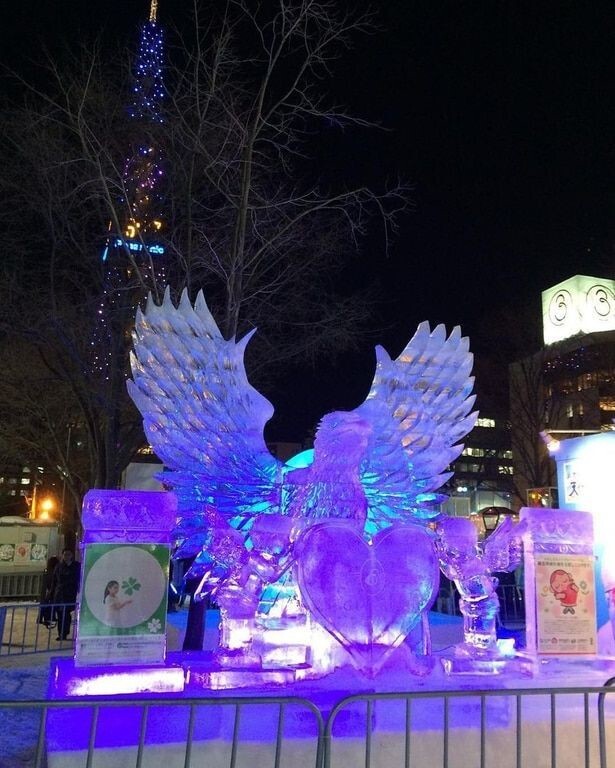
(134, 260)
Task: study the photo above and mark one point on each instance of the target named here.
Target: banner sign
(123, 611)
(565, 604)
(560, 583)
(586, 480)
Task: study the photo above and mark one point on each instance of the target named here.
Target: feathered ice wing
(419, 408)
(202, 417)
(503, 549)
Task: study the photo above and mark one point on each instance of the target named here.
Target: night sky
(502, 116)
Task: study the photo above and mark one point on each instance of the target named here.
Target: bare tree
(249, 219)
(511, 339)
(531, 409)
(40, 426)
(252, 220)
(58, 195)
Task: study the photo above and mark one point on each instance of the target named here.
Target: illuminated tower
(143, 170)
(134, 257)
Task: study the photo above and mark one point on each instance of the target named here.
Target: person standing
(45, 611)
(65, 585)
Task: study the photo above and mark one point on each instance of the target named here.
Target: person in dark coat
(45, 612)
(65, 586)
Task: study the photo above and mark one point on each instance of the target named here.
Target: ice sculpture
(470, 564)
(372, 487)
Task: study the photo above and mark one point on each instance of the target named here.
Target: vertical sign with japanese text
(565, 604)
(560, 585)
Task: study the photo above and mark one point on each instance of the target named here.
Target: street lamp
(490, 520)
(47, 506)
(492, 516)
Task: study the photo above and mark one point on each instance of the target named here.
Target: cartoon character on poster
(574, 486)
(565, 604)
(565, 590)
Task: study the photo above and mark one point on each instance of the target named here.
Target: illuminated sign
(586, 481)
(134, 246)
(581, 304)
(155, 250)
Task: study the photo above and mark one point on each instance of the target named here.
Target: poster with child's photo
(122, 615)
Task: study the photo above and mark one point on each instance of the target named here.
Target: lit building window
(25, 481)
(503, 469)
(469, 451)
(480, 422)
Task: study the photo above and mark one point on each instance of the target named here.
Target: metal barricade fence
(22, 630)
(220, 732)
(512, 603)
(514, 728)
(524, 728)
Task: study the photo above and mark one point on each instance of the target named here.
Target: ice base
(498, 660)
(489, 664)
(66, 680)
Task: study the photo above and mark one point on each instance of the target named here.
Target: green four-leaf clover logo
(131, 585)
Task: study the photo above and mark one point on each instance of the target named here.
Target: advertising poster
(565, 604)
(122, 615)
(574, 485)
(586, 481)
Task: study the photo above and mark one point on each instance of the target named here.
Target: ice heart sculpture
(368, 595)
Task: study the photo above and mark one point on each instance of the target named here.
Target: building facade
(567, 388)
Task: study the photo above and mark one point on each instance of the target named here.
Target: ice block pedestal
(122, 615)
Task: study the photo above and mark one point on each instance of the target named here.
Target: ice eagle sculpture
(240, 509)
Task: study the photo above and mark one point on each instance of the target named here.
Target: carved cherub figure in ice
(342, 543)
(470, 564)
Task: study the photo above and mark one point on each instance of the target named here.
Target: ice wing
(503, 549)
(201, 415)
(419, 407)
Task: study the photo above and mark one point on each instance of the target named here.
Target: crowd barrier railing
(516, 728)
(24, 628)
(504, 728)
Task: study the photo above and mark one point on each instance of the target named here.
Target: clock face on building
(580, 304)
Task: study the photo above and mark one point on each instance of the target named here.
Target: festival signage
(580, 304)
(560, 591)
(586, 481)
(124, 585)
(123, 611)
(565, 604)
